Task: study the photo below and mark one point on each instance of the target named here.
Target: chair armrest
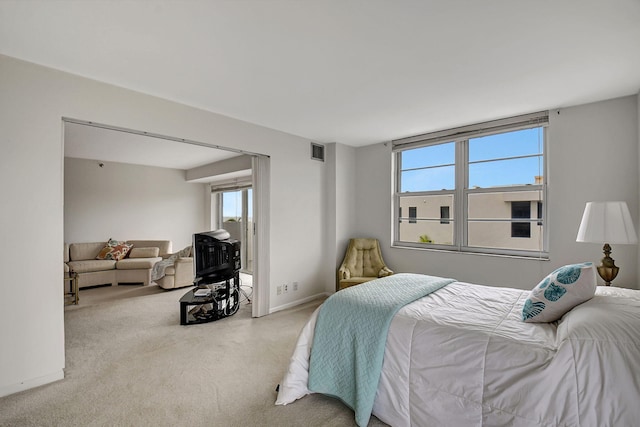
(184, 271)
(344, 273)
(384, 272)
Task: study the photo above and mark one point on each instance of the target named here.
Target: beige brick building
(492, 220)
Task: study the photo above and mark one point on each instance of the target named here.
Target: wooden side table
(71, 296)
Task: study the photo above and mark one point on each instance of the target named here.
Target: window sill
(543, 256)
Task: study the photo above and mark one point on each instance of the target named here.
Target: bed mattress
(462, 356)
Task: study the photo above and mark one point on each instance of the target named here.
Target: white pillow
(559, 292)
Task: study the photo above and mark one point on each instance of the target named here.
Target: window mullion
(396, 206)
(462, 155)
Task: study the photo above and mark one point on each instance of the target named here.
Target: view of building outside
(491, 220)
(237, 219)
(427, 227)
(502, 230)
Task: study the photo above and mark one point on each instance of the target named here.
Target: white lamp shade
(607, 222)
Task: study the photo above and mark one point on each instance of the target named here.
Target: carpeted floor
(131, 363)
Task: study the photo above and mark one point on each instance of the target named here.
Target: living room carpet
(131, 363)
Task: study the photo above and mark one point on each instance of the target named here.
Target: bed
(463, 356)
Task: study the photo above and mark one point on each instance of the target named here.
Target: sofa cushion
(92, 265)
(163, 245)
(137, 263)
(151, 252)
(115, 250)
(82, 251)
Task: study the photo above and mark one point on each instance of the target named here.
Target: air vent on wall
(317, 152)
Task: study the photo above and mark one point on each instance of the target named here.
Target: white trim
(299, 302)
(156, 135)
(261, 177)
(31, 383)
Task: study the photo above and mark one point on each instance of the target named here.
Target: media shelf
(223, 301)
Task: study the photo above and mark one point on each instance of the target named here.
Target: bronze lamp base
(607, 269)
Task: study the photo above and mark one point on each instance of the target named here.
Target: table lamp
(607, 222)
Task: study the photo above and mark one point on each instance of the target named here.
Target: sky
(513, 171)
(232, 204)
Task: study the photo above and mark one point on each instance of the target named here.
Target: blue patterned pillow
(559, 292)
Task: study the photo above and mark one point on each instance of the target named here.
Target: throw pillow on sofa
(114, 250)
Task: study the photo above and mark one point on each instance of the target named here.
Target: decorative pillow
(559, 292)
(114, 250)
(144, 252)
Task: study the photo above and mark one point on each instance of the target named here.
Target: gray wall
(340, 206)
(130, 202)
(592, 155)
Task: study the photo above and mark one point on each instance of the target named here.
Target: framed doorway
(234, 213)
(92, 147)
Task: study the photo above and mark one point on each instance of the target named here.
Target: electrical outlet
(285, 287)
(279, 290)
(295, 286)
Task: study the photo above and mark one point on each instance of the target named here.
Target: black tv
(216, 257)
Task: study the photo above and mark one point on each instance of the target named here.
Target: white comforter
(463, 357)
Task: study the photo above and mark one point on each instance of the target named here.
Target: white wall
(592, 155)
(130, 202)
(297, 225)
(340, 206)
(33, 101)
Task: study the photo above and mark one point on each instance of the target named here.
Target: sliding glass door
(235, 214)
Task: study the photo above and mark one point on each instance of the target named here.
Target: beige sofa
(137, 269)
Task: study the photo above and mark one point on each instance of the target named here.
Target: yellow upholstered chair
(362, 262)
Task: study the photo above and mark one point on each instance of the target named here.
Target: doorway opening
(89, 141)
(232, 210)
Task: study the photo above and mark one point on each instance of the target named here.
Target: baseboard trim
(31, 383)
(298, 302)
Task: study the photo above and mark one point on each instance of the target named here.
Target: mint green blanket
(351, 334)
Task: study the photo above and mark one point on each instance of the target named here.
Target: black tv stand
(224, 301)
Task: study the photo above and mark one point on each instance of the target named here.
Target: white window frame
(461, 136)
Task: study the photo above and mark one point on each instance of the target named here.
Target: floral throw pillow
(559, 292)
(114, 250)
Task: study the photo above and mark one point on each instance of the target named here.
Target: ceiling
(83, 141)
(355, 72)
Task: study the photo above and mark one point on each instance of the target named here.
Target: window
(475, 187)
(444, 214)
(413, 213)
(520, 210)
